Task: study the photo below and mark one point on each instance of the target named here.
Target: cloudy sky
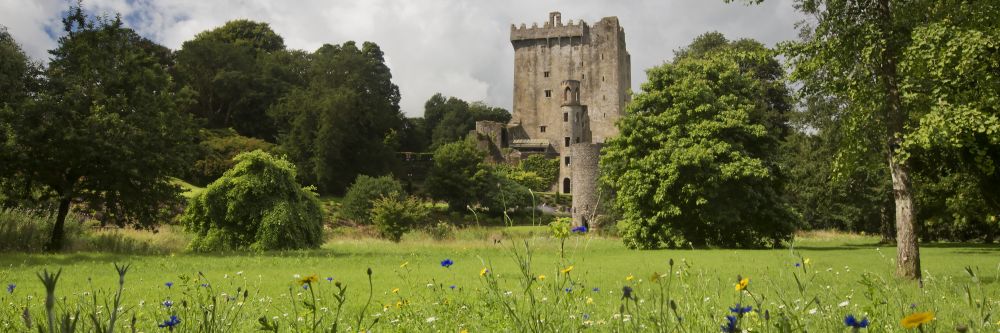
(457, 47)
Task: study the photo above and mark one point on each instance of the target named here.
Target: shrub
(216, 151)
(255, 205)
(546, 168)
(441, 231)
(505, 194)
(528, 179)
(394, 217)
(458, 175)
(357, 204)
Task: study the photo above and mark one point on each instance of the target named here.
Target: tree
(458, 175)
(237, 71)
(450, 119)
(255, 205)
(344, 122)
(696, 160)
(863, 52)
(17, 72)
(105, 126)
(216, 150)
(546, 168)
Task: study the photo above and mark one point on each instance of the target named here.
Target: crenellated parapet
(554, 28)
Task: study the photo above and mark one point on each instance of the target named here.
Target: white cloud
(456, 47)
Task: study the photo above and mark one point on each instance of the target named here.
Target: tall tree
(449, 119)
(237, 71)
(344, 121)
(105, 126)
(696, 160)
(858, 51)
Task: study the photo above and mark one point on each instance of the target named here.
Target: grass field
(411, 291)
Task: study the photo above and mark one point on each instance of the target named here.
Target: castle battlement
(554, 28)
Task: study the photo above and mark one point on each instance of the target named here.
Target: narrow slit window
(567, 141)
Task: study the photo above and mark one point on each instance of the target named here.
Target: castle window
(567, 141)
(541, 129)
(566, 159)
(583, 76)
(546, 73)
(548, 93)
(602, 78)
(565, 116)
(577, 139)
(565, 185)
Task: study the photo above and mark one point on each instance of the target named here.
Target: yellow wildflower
(655, 277)
(463, 331)
(541, 277)
(395, 290)
(309, 279)
(590, 300)
(807, 261)
(567, 270)
(629, 277)
(484, 271)
(742, 285)
(916, 319)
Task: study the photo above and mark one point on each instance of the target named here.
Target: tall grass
(28, 230)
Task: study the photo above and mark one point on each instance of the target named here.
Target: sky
(459, 48)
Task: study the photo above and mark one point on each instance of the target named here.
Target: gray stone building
(571, 84)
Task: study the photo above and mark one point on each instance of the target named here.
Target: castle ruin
(571, 84)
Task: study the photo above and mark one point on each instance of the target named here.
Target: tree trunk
(907, 248)
(58, 230)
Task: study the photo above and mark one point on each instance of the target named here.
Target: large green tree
(346, 119)
(696, 160)
(895, 64)
(449, 119)
(459, 175)
(105, 126)
(237, 71)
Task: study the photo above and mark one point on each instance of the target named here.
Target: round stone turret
(586, 197)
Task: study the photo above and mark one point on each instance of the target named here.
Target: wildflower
(655, 277)
(798, 264)
(590, 300)
(10, 288)
(626, 292)
(629, 277)
(541, 277)
(452, 287)
(447, 263)
(431, 319)
(742, 284)
(568, 290)
(739, 310)
(464, 331)
(581, 229)
(204, 285)
(329, 279)
(305, 287)
(169, 284)
(484, 271)
(850, 321)
(596, 289)
(169, 324)
(730, 325)
(403, 265)
(916, 319)
(395, 290)
(308, 280)
(844, 303)
(567, 270)
(806, 261)
(168, 303)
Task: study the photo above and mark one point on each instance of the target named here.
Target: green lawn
(845, 275)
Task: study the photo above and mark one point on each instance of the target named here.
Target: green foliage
(236, 72)
(546, 168)
(17, 73)
(105, 127)
(502, 192)
(696, 159)
(255, 205)
(459, 175)
(450, 119)
(26, 230)
(216, 151)
(525, 178)
(394, 216)
(361, 196)
(343, 122)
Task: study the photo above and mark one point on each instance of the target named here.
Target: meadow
(512, 279)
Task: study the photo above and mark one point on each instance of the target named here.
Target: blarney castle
(571, 83)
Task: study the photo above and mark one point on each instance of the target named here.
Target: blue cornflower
(596, 289)
(850, 321)
(10, 288)
(305, 286)
(581, 229)
(452, 287)
(169, 284)
(798, 264)
(447, 263)
(569, 289)
(329, 279)
(627, 292)
(204, 285)
(740, 310)
(168, 303)
(169, 324)
(586, 316)
(730, 325)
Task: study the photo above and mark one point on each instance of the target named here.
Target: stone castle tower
(571, 84)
